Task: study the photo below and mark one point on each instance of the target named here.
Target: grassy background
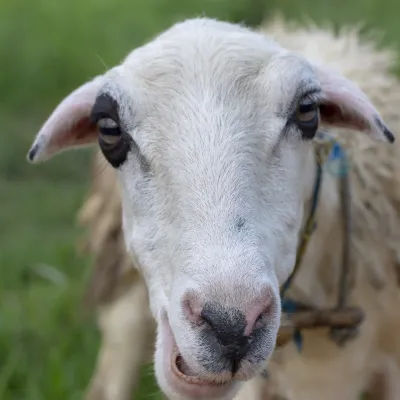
(47, 48)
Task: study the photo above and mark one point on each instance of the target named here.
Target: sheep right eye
(113, 141)
(109, 132)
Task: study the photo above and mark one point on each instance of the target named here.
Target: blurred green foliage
(48, 48)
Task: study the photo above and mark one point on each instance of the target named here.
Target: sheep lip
(176, 362)
(191, 387)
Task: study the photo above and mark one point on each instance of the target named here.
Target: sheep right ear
(69, 125)
(344, 104)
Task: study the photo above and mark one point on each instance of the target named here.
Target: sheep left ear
(344, 104)
(69, 125)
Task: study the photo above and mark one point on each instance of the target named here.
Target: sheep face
(209, 128)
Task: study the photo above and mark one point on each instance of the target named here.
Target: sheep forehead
(202, 37)
(202, 50)
(201, 71)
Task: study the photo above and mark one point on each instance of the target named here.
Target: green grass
(47, 344)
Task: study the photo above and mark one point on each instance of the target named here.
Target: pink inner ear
(344, 104)
(81, 133)
(333, 114)
(69, 125)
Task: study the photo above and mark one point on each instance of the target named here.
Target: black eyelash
(305, 108)
(110, 131)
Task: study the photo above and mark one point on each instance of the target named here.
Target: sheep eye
(307, 117)
(109, 131)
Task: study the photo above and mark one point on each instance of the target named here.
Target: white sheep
(210, 129)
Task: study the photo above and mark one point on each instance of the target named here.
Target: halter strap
(327, 148)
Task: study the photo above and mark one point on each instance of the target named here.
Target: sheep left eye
(307, 118)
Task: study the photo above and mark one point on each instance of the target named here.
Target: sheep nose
(229, 330)
(228, 326)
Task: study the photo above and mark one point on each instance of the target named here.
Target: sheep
(363, 62)
(209, 130)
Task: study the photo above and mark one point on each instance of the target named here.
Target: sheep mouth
(182, 371)
(180, 378)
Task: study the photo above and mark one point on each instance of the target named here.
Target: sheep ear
(344, 104)
(69, 125)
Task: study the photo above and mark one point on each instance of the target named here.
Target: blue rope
(314, 205)
(290, 306)
(337, 164)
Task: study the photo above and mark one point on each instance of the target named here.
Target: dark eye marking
(105, 106)
(307, 117)
(303, 111)
(115, 143)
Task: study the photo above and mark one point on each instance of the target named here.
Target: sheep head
(210, 129)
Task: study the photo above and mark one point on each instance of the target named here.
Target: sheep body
(322, 368)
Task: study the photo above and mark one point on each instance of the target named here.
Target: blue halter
(335, 161)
